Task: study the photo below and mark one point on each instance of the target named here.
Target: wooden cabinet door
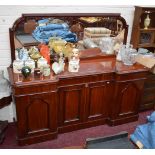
(127, 98)
(99, 98)
(36, 114)
(71, 104)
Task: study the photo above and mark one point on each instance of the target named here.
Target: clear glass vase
(128, 55)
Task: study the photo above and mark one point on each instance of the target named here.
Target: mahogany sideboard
(103, 91)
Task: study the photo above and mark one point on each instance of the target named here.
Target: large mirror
(89, 33)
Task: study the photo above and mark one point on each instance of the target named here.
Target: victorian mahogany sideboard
(103, 91)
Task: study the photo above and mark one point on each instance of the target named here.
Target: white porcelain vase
(147, 22)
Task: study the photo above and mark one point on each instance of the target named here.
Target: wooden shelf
(149, 29)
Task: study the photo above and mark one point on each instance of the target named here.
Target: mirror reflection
(53, 38)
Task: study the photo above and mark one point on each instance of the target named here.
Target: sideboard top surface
(87, 68)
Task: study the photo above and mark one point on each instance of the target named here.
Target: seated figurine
(74, 61)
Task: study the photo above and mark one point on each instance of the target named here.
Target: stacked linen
(96, 33)
(44, 32)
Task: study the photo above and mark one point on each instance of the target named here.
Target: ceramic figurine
(23, 54)
(57, 68)
(62, 60)
(74, 61)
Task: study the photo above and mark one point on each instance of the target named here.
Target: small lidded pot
(30, 63)
(18, 65)
(41, 63)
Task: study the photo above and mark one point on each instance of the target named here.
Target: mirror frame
(69, 16)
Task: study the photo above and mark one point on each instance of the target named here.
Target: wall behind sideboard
(8, 14)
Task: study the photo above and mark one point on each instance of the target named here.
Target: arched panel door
(128, 97)
(37, 114)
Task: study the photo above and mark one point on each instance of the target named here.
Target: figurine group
(42, 57)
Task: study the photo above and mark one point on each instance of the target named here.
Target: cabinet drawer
(30, 89)
(131, 76)
(85, 79)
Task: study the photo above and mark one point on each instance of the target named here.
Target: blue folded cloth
(43, 33)
(43, 21)
(53, 27)
(145, 133)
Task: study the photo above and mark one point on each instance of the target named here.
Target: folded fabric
(145, 133)
(53, 27)
(43, 33)
(43, 21)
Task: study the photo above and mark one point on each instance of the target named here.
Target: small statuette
(74, 61)
(58, 67)
(23, 54)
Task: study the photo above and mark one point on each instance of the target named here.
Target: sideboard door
(127, 99)
(71, 104)
(36, 117)
(99, 96)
